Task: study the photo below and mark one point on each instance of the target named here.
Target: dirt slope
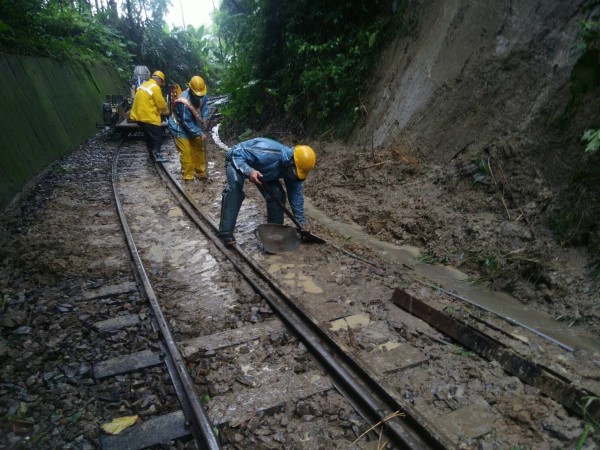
(470, 150)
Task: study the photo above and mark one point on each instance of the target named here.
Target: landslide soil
(489, 218)
(470, 149)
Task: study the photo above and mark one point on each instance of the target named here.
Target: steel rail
(200, 425)
(370, 396)
(549, 382)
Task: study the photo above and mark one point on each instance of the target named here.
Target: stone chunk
(470, 422)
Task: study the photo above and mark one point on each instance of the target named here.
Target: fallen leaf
(119, 424)
(520, 337)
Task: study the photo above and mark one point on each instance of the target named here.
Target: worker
(148, 107)
(266, 161)
(191, 111)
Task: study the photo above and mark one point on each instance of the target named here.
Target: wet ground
(372, 248)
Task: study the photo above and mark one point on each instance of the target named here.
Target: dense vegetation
(134, 33)
(306, 60)
(577, 223)
(586, 73)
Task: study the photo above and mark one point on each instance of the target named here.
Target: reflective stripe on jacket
(274, 160)
(182, 123)
(149, 103)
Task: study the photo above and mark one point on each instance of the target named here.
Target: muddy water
(456, 283)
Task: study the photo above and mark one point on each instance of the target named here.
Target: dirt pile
(471, 150)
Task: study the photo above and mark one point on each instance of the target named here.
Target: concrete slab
(352, 322)
(236, 408)
(154, 431)
(326, 312)
(110, 291)
(470, 422)
(403, 356)
(124, 364)
(229, 338)
(117, 323)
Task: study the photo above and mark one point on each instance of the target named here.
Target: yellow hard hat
(160, 75)
(198, 86)
(304, 159)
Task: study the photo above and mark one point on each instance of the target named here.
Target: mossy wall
(48, 109)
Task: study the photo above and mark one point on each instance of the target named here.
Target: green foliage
(430, 257)
(182, 54)
(591, 424)
(63, 168)
(4, 302)
(586, 74)
(493, 266)
(306, 60)
(137, 36)
(59, 31)
(464, 352)
(21, 415)
(483, 171)
(596, 269)
(592, 139)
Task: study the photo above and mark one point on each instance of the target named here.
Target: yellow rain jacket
(149, 104)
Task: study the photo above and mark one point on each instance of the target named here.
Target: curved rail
(358, 385)
(200, 425)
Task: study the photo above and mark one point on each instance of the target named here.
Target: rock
(13, 318)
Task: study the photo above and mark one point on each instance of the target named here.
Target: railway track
(307, 379)
(316, 349)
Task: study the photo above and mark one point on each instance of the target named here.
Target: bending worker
(266, 161)
(148, 107)
(191, 109)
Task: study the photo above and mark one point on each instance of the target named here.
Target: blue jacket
(185, 126)
(274, 160)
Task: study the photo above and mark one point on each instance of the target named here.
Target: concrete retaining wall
(48, 109)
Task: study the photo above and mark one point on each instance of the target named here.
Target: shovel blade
(309, 237)
(277, 238)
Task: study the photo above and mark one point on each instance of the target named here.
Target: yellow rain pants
(192, 157)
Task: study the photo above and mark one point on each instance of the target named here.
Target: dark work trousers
(153, 134)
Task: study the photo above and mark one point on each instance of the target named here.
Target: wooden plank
(128, 363)
(552, 384)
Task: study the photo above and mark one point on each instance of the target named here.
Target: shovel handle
(306, 234)
(276, 199)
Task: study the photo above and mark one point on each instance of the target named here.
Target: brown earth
(495, 229)
(470, 149)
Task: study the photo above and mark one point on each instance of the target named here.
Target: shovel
(276, 237)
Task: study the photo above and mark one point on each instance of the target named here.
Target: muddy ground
(487, 218)
(391, 195)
